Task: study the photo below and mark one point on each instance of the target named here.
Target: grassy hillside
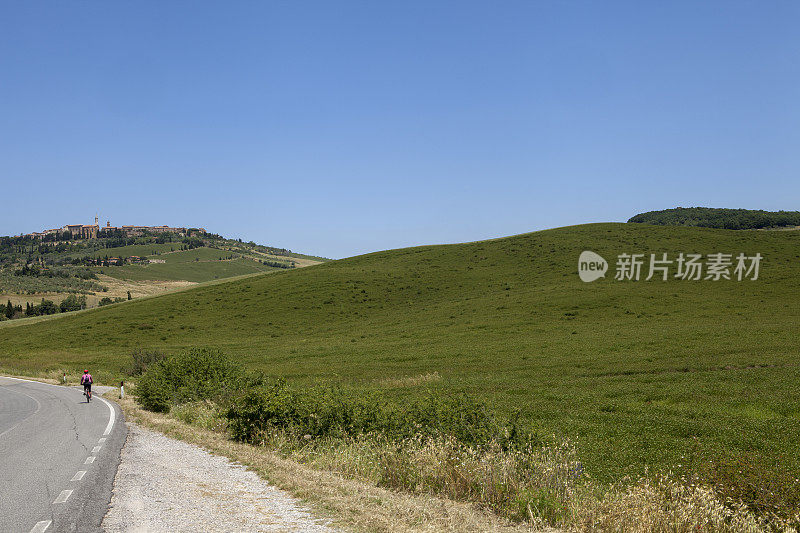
(141, 250)
(195, 271)
(196, 254)
(637, 372)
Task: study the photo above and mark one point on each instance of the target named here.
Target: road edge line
(112, 417)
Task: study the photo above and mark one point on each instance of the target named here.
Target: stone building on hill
(94, 231)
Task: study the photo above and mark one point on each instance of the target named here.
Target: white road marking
(32, 381)
(112, 414)
(101, 441)
(89, 460)
(79, 475)
(96, 449)
(111, 418)
(64, 496)
(42, 526)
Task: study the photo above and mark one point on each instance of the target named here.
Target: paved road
(58, 457)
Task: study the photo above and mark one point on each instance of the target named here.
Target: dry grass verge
(341, 478)
(352, 504)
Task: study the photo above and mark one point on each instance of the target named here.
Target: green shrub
(334, 412)
(199, 374)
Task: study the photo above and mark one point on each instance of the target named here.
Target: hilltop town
(78, 266)
(94, 231)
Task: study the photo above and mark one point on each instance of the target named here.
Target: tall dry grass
(536, 487)
(669, 505)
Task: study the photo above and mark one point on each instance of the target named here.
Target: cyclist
(86, 381)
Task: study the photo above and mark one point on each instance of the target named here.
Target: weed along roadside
(349, 502)
(443, 461)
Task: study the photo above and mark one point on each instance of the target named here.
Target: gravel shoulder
(164, 484)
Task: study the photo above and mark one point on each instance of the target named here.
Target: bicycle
(88, 394)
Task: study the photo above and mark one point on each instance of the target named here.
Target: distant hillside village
(94, 231)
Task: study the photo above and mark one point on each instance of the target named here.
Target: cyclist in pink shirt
(86, 381)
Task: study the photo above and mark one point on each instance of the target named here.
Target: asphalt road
(58, 457)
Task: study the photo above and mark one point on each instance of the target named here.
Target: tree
(9, 310)
(73, 303)
(48, 307)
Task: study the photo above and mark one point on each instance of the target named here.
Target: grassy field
(190, 270)
(636, 372)
(140, 250)
(196, 254)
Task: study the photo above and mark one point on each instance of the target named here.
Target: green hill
(637, 371)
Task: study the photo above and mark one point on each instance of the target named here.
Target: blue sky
(338, 128)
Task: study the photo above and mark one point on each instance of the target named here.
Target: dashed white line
(64, 496)
(42, 526)
(79, 475)
(89, 460)
(101, 441)
(96, 449)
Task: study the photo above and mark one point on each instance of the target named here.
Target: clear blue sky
(338, 128)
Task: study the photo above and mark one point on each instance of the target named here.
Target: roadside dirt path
(168, 485)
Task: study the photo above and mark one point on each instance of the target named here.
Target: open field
(145, 289)
(33, 299)
(116, 288)
(140, 250)
(300, 260)
(636, 372)
(196, 254)
(194, 271)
